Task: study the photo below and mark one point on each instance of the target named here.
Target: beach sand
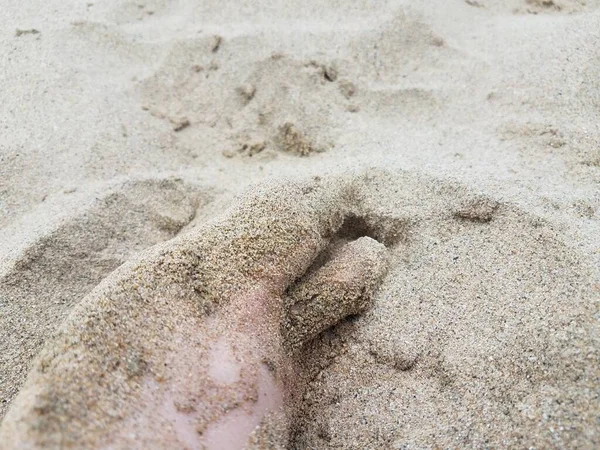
(466, 134)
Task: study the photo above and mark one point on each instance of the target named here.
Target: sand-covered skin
(493, 348)
(148, 312)
(342, 287)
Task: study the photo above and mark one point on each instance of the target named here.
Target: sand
(467, 134)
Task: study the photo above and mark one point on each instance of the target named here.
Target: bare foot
(193, 345)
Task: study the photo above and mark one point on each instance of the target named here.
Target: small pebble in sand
(437, 41)
(478, 210)
(347, 88)
(179, 123)
(155, 111)
(20, 32)
(548, 4)
(293, 140)
(246, 92)
(217, 41)
(330, 72)
(252, 147)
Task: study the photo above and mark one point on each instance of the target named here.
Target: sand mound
(283, 103)
(485, 316)
(398, 49)
(463, 331)
(43, 281)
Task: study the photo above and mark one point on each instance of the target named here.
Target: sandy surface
(469, 132)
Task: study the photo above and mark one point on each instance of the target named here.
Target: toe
(342, 287)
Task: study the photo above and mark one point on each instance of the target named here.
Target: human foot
(192, 345)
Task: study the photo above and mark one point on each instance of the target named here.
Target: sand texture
(158, 158)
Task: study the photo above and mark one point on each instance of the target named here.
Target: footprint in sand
(195, 343)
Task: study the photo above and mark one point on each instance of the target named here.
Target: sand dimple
(280, 101)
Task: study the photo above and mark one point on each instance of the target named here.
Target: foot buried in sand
(194, 344)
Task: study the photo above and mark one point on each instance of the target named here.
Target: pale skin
(248, 363)
(231, 387)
